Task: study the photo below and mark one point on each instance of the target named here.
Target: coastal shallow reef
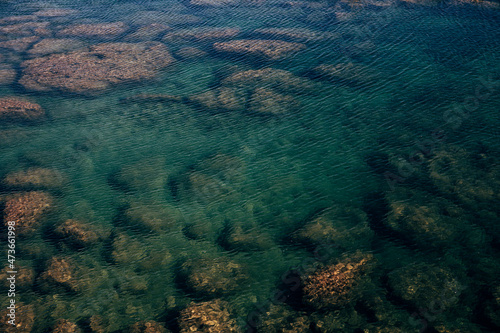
(238, 166)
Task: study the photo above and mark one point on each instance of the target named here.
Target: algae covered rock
(66, 326)
(24, 278)
(147, 175)
(268, 102)
(345, 72)
(77, 233)
(148, 327)
(24, 319)
(262, 48)
(282, 319)
(221, 99)
(35, 178)
(61, 271)
(15, 109)
(344, 227)
(337, 285)
(200, 34)
(54, 45)
(20, 44)
(207, 317)
(96, 68)
(211, 276)
(152, 216)
(424, 286)
(26, 210)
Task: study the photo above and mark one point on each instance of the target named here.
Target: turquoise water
(178, 190)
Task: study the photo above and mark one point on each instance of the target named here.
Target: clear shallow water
(429, 224)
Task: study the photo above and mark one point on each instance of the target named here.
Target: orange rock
(13, 109)
(207, 317)
(26, 210)
(25, 319)
(77, 233)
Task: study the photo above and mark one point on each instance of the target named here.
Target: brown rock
(268, 102)
(213, 3)
(26, 210)
(25, 319)
(212, 276)
(35, 177)
(95, 30)
(77, 233)
(222, 99)
(148, 32)
(20, 44)
(13, 109)
(207, 317)
(55, 45)
(7, 76)
(278, 79)
(25, 29)
(24, 278)
(61, 271)
(148, 327)
(190, 53)
(96, 68)
(336, 285)
(269, 49)
(65, 326)
(17, 18)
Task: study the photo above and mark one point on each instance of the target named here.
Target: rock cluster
(96, 68)
(15, 109)
(27, 210)
(207, 317)
(337, 285)
(262, 48)
(65, 326)
(148, 327)
(20, 44)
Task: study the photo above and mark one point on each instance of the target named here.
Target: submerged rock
(344, 227)
(148, 32)
(27, 210)
(24, 278)
(77, 233)
(268, 102)
(345, 72)
(221, 99)
(207, 317)
(25, 319)
(14, 109)
(268, 49)
(61, 271)
(17, 18)
(55, 12)
(20, 44)
(211, 276)
(278, 79)
(190, 53)
(156, 217)
(201, 34)
(95, 30)
(96, 68)
(35, 178)
(55, 45)
(246, 239)
(147, 175)
(337, 285)
(65, 326)
(25, 29)
(423, 285)
(148, 327)
(7, 76)
(282, 319)
(296, 34)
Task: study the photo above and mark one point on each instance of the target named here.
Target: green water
(281, 172)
